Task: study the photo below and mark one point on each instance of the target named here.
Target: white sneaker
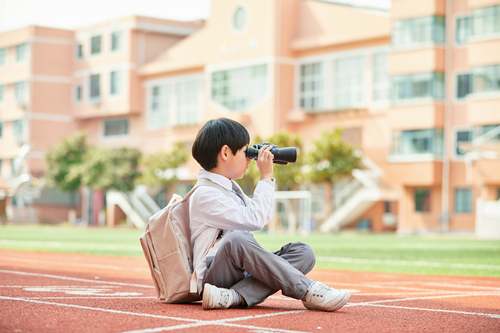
(321, 297)
(218, 298)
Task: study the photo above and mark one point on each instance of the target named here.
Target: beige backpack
(166, 244)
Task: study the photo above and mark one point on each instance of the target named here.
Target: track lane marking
(69, 278)
(192, 321)
(482, 314)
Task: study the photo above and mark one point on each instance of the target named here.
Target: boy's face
(237, 163)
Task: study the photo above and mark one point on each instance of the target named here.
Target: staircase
(355, 197)
(138, 206)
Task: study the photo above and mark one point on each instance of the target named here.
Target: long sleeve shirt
(224, 209)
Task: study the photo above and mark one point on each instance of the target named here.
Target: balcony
(483, 51)
(421, 170)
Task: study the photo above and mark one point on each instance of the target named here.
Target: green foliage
(332, 158)
(111, 169)
(63, 162)
(154, 164)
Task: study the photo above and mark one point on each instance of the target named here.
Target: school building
(416, 88)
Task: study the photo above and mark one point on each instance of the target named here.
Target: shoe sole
(205, 303)
(343, 301)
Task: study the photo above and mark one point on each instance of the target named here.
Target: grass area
(438, 254)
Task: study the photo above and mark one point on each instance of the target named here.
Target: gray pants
(243, 265)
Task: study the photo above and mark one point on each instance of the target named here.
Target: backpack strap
(193, 282)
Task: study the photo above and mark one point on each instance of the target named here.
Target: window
(422, 199)
(348, 82)
(239, 18)
(380, 77)
(18, 130)
(241, 88)
(464, 85)
(492, 131)
(418, 142)
(463, 29)
(116, 127)
(483, 79)
(463, 200)
(1, 92)
(78, 93)
(79, 51)
(486, 79)
(95, 44)
(486, 21)
(3, 55)
(95, 87)
(421, 30)
(462, 136)
(159, 97)
(21, 52)
(408, 87)
(21, 92)
(188, 104)
(116, 40)
(176, 101)
(311, 86)
(114, 83)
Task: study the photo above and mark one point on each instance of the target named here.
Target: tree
(64, 161)
(330, 160)
(159, 169)
(106, 169)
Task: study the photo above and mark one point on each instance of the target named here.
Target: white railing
(355, 197)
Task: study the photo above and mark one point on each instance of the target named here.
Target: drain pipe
(447, 131)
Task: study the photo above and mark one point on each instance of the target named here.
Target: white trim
(164, 28)
(210, 68)
(406, 158)
(343, 54)
(48, 117)
(51, 40)
(52, 79)
(124, 66)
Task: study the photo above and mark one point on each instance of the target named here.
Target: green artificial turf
(434, 254)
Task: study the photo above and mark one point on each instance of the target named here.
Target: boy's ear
(224, 152)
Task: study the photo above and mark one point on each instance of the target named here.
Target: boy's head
(217, 139)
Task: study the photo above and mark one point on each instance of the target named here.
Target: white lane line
(69, 278)
(459, 285)
(375, 286)
(94, 297)
(83, 307)
(419, 263)
(481, 314)
(225, 322)
(73, 264)
(191, 322)
(469, 294)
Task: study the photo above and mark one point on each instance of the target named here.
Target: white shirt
(214, 209)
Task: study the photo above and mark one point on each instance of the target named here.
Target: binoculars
(283, 155)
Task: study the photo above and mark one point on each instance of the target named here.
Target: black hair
(215, 134)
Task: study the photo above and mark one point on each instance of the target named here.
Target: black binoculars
(283, 155)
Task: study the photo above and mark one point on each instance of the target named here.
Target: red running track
(46, 292)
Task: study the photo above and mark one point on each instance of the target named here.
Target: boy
(236, 271)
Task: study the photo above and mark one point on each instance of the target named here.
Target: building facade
(415, 88)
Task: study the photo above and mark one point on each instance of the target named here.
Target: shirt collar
(216, 178)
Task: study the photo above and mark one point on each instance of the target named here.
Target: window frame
(105, 122)
(459, 200)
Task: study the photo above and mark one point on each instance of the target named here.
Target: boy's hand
(265, 163)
